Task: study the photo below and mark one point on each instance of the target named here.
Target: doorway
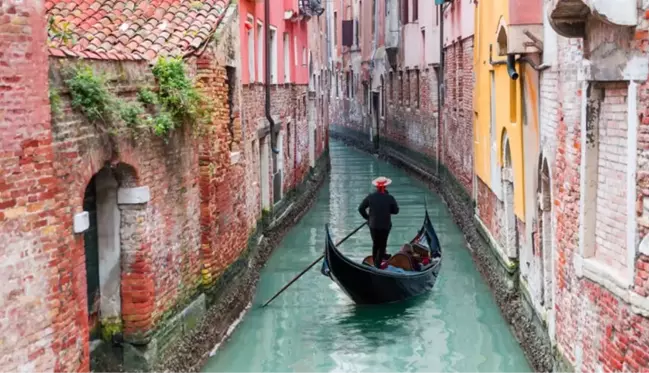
(264, 172)
(91, 248)
(376, 102)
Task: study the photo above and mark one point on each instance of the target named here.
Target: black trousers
(379, 244)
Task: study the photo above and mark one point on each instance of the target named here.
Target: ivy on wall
(176, 102)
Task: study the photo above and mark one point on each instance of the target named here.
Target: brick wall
(289, 107)
(595, 327)
(38, 326)
(413, 126)
(160, 239)
(226, 220)
(457, 118)
(610, 226)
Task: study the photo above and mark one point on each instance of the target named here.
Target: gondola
(366, 284)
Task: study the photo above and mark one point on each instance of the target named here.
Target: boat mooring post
(312, 264)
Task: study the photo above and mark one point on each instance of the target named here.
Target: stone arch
(509, 234)
(104, 222)
(501, 37)
(545, 230)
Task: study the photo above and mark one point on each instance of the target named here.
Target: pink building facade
(289, 43)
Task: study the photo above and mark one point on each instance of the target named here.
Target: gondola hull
(366, 284)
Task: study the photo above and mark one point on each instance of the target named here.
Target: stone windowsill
(509, 265)
(612, 281)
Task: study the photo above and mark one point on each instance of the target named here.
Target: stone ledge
(133, 196)
(510, 266)
(602, 275)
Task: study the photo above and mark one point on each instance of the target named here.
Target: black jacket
(382, 206)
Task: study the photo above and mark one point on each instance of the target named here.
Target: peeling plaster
(618, 12)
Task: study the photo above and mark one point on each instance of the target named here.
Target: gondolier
(382, 206)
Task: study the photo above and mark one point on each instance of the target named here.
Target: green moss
(55, 101)
(110, 327)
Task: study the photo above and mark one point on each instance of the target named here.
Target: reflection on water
(313, 326)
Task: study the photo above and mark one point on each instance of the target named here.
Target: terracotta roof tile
(127, 29)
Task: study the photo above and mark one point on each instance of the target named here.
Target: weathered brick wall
(610, 226)
(413, 126)
(491, 212)
(289, 108)
(226, 220)
(457, 117)
(595, 327)
(160, 257)
(39, 319)
(411, 114)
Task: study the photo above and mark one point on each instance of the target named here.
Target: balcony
(569, 17)
(310, 8)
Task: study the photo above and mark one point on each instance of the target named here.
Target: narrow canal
(313, 326)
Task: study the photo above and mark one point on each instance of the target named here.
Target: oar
(311, 265)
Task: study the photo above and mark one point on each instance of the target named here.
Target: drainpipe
(511, 67)
(267, 85)
(440, 88)
(510, 62)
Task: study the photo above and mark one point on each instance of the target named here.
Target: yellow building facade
(506, 101)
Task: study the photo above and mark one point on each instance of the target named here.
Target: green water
(314, 327)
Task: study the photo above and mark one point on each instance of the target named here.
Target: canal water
(314, 327)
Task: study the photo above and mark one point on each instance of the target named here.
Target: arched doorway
(102, 247)
(545, 229)
(509, 224)
(91, 248)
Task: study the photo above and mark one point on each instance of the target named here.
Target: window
(423, 46)
(295, 50)
(374, 17)
(348, 84)
(360, 18)
(260, 52)
(400, 86)
(336, 28)
(337, 93)
(407, 93)
(404, 11)
(391, 87)
(273, 55)
(415, 10)
(357, 31)
(383, 99)
(287, 59)
(304, 62)
(417, 89)
(290, 141)
(251, 50)
(437, 15)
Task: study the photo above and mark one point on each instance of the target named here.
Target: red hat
(381, 181)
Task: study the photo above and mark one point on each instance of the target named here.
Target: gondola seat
(398, 260)
(403, 261)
